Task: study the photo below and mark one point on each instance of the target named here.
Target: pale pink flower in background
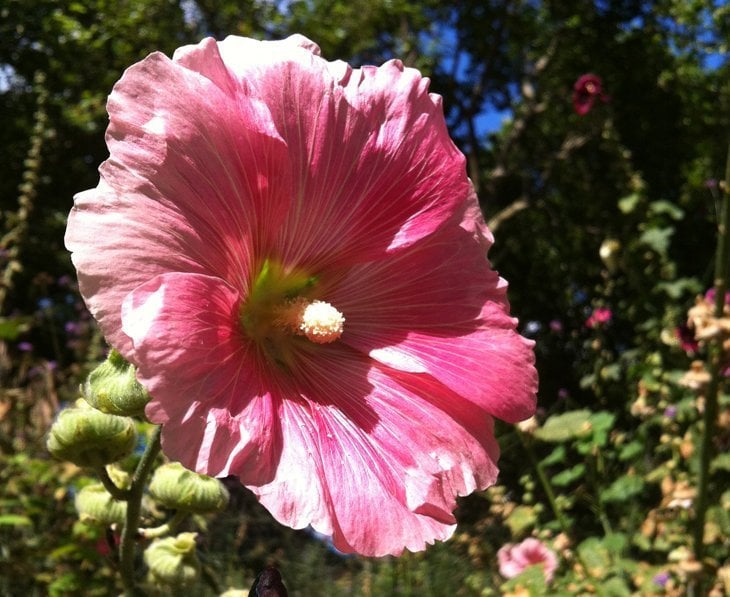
(514, 558)
(291, 254)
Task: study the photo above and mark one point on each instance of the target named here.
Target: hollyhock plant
(289, 251)
(515, 558)
(586, 90)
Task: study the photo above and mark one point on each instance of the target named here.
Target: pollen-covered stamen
(319, 321)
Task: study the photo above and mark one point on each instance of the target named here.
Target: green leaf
(560, 428)
(628, 204)
(720, 463)
(11, 328)
(615, 543)
(601, 424)
(568, 476)
(631, 451)
(555, 457)
(615, 587)
(595, 556)
(602, 421)
(624, 488)
(521, 519)
(611, 372)
(15, 520)
(665, 207)
(657, 239)
(680, 287)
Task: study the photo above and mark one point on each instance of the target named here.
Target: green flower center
(282, 306)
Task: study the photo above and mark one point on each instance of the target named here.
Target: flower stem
(134, 509)
(115, 491)
(722, 264)
(547, 488)
(164, 529)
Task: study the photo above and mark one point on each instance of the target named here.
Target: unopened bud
(609, 253)
(93, 501)
(177, 488)
(172, 561)
(113, 388)
(90, 438)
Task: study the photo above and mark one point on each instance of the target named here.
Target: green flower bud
(113, 388)
(94, 502)
(91, 438)
(172, 561)
(177, 488)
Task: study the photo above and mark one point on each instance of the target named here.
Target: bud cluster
(100, 430)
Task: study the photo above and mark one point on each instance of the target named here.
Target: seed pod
(177, 488)
(90, 438)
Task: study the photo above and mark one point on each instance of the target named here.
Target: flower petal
(416, 311)
(375, 458)
(193, 184)
(202, 374)
(373, 164)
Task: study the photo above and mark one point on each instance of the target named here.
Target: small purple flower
(556, 326)
(670, 412)
(661, 579)
(25, 346)
(36, 372)
(71, 327)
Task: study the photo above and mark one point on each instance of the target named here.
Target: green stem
(164, 529)
(134, 510)
(547, 488)
(595, 471)
(722, 263)
(112, 488)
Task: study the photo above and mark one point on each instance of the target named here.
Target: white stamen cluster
(319, 321)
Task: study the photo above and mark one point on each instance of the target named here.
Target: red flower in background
(599, 316)
(587, 89)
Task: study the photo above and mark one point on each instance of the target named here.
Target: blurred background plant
(596, 133)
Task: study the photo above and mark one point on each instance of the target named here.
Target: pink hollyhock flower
(710, 296)
(686, 337)
(514, 558)
(586, 90)
(599, 316)
(291, 254)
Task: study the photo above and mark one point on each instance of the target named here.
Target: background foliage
(639, 170)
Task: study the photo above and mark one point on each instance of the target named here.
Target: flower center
(319, 321)
(281, 305)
